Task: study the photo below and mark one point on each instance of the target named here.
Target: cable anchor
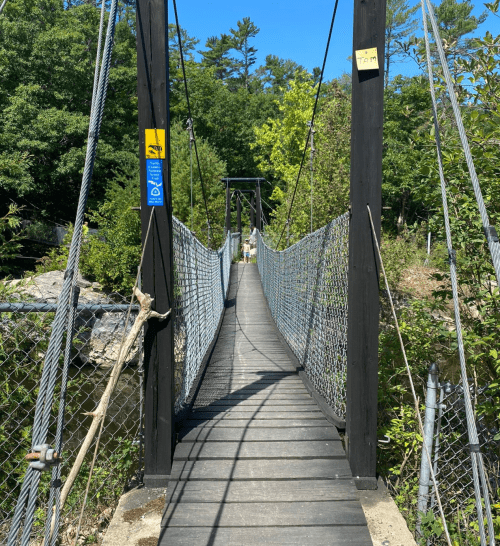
(43, 457)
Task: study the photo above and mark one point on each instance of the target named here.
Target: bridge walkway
(257, 462)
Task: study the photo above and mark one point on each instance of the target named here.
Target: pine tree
(218, 55)
(400, 25)
(240, 39)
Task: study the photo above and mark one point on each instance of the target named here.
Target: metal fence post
(430, 417)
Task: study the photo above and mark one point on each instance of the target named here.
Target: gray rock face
(98, 334)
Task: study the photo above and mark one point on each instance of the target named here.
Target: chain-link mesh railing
(452, 462)
(201, 281)
(25, 324)
(306, 288)
(27, 309)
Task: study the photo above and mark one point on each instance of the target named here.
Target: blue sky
(291, 29)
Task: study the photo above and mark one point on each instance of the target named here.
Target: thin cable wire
(412, 386)
(494, 245)
(312, 120)
(476, 458)
(105, 409)
(190, 115)
(2, 6)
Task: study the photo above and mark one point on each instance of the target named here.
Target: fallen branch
(99, 413)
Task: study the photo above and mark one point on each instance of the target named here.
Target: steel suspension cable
(489, 231)
(312, 120)
(179, 39)
(255, 210)
(54, 503)
(26, 503)
(476, 456)
(410, 377)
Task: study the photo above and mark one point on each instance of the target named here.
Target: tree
(240, 38)
(279, 148)
(275, 76)
(455, 22)
(399, 27)
(217, 55)
(47, 59)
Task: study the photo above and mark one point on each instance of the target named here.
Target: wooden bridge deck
(257, 462)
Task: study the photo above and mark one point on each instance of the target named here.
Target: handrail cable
(312, 120)
(489, 231)
(476, 455)
(178, 28)
(408, 371)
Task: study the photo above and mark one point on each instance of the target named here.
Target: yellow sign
(155, 143)
(367, 59)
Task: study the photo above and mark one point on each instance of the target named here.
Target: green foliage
(47, 57)
(10, 239)
(279, 149)
(399, 254)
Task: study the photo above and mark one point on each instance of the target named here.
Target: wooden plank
(257, 536)
(264, 396)
(272, 469)
(261, 416)
(260, 491)
(258, 423)
(265, 514)
(228, 403)
(204, 451)
(295, 434)
(255, 409)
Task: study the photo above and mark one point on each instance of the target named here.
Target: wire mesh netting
(201, 283)
(306, 288)
(201, 279)
(452, 461)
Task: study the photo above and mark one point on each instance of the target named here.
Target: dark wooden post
(157, 273)
(238, 212)
(258, 209)
(252, 211)
(366, 182)
(228, 207)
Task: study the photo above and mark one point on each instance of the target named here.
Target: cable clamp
(491, 234)
(43, 457)
(67, 273)
(76, 295)
(452, 254)
(474, 448)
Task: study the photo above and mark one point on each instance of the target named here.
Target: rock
(102, 343)
(98, 334)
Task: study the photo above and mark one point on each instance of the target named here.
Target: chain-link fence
(25, 324)
(306, 288)
(27, 309)
(451, 457)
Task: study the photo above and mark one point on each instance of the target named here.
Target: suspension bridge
(252, 371)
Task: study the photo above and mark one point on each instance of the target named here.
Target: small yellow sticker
(367, 59)
(155, 143)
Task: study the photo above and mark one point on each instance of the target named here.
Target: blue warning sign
(154, 175)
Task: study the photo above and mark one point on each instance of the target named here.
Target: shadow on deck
(257, 462)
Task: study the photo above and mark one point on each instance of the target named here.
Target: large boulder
(98, 334)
